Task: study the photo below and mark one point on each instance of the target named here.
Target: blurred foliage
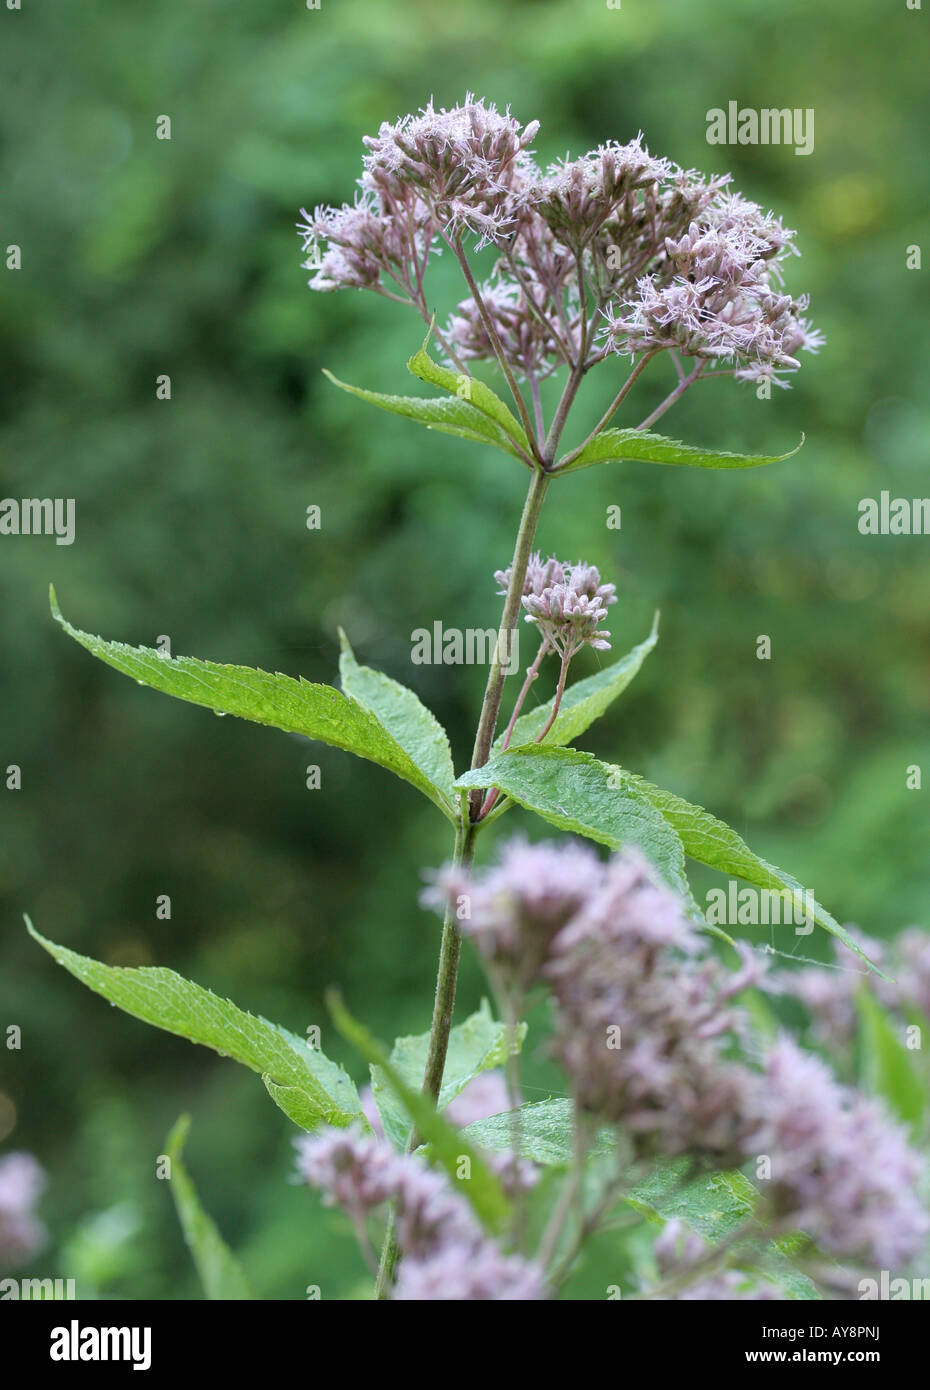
(143, 257)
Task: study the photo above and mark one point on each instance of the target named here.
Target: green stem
(446, 975)
(504, 648)
(443, 1006)
(466, 830)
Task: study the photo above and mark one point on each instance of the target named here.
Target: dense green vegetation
(143, 257)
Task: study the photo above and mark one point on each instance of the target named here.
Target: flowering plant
(690, 1114)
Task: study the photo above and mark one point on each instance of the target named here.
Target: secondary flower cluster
(647, 1033)
(445, 1253)
(614, 251)
(21, 1184)
(567, 603)
(841, 1170)
(829, 993)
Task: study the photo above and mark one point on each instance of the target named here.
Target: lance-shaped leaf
(469, 388)
(295, 706)
(220, 1272)
(711, 841)
(716, 1205)
(546, 1129)
(577, 792)
(406, 719)
(448, 415)
(474, 1179)
(582, 702)
(614, 444)
(885, 1066)
(166, 1000)
(477, 1045)
(713, 1204)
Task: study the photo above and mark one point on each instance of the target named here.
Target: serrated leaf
(713, 1204)
(294, 706)
(716, 1205)
(475, 1046)
(415, 728)
(471, 389)
(447, 414)
(615, 444)
(220, 1272)
(482, 1187)
(711, 841)
(546, 1129)
(577, 792)
(885, 1066)
(166, 1000)
(582, 702)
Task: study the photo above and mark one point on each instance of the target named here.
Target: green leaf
(448, 415)
(220, 1272)
(546, 1133)
(715, 1205)
(295, 706)
(885, 1066)
(577, 792)
(477, 1045)
(582, 702)
(482, 1188)
(471, 389)
(710, 841)
(166, 1000)
(415, 728)
(614, 444)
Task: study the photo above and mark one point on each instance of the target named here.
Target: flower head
(355, 246)
(445, 1253)
(468, 165)
(463, 1271)
(842, 1170)
(21, 1183)
(514, 909)
(829, 992)
(576, 197)
(643, 1020)
(715, 293)
(527, 328)
(569, 610)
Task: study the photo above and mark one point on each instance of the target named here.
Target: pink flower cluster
(445, 1253)
(21, 1233)
(614, 251)
(646, 1030)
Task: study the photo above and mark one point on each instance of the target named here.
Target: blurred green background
(142, 257)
